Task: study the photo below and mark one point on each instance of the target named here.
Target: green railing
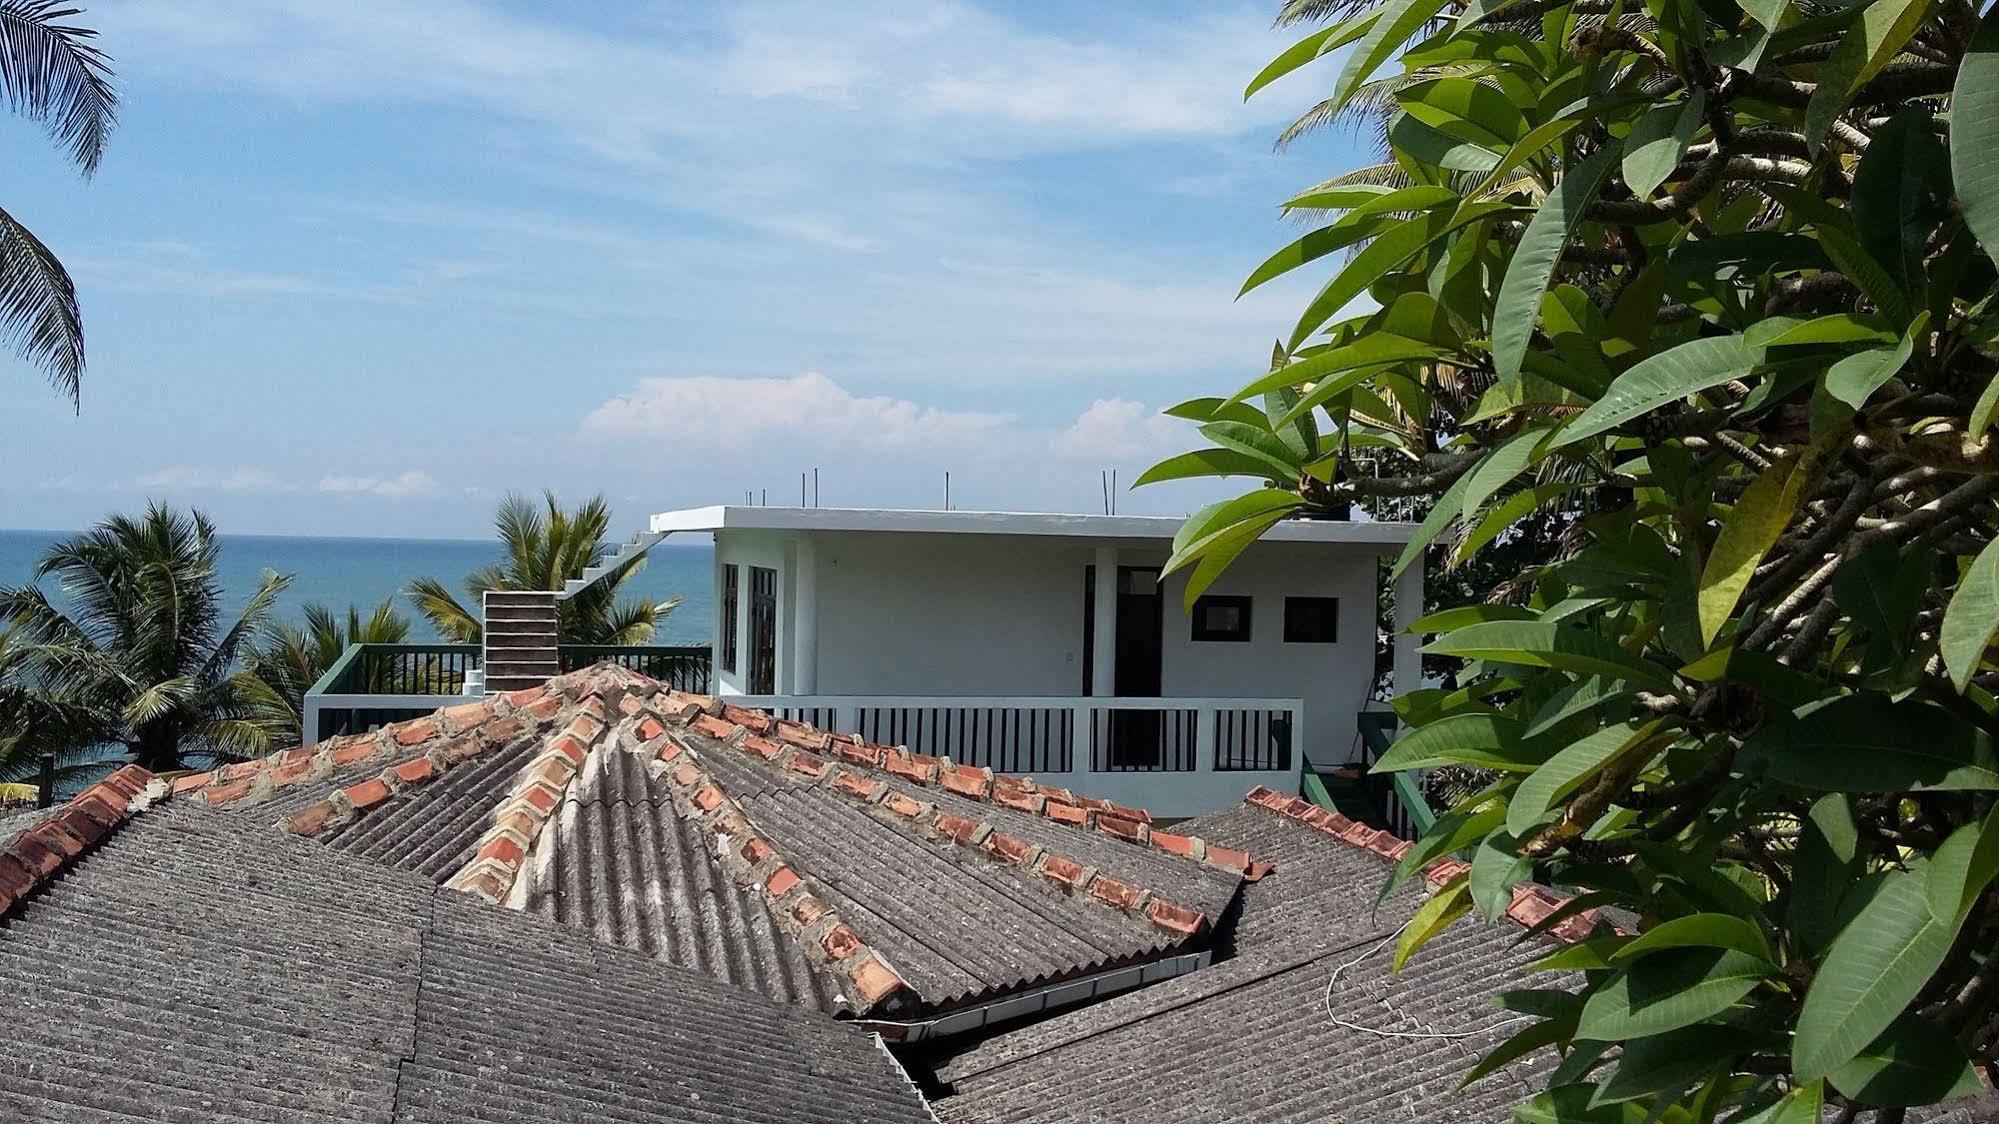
(399, 669)
(1398, 794)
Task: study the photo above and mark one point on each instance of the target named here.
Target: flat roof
(1052, 524)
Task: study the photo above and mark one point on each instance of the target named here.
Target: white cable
(1334, 979)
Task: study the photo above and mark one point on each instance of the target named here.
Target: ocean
(362, 572)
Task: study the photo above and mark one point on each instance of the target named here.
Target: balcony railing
(1174, 757)
(1398, 795)
(374, 684)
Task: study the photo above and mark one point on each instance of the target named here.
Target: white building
(1047, 645)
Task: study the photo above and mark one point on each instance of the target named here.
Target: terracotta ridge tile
(753, 860)
(882, 801)
(35, 855)
(517, 821)
(1532, 903)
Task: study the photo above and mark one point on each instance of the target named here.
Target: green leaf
(1446, 620)
(1881, 30)
(1875, 967)
(1753, 526)
(1689, 368)
(1550, 1032)
(1802, 1105)
(1506, 513)
(1215, 535)
(1566, 771)
(1503, 463)
(1496, 868)
(1204, 462)
(1962, 867)
(1540, 644)
(1855, 378)
(1394, 246)
(1447, 508)
(1664, 1062)
(1576, 698)
(1369, 352)
(1699, 930)
(1913, 1063)
(1827, 863)
(1398, 20)
(1438, 147)
(1487, 741)
(1974, 141)
(1972, 616)
(1901, 192)
(1366, 218)
(1451, 901)
(1676, 988)
(1534, 261)
(1658, 141)
(1986, 409)
(1839, 327)
(1259, 444)
(1311, 47)
(1868, 743)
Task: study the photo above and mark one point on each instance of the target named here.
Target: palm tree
(139, 652)
(52, 74)
(290, 659)
(546, 546)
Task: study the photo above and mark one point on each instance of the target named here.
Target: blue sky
(359, 268)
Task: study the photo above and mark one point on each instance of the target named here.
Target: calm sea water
(343, 571)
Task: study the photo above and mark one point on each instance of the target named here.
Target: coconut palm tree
(139, 651)
(52, 74)
(291, 658)
(546, 546)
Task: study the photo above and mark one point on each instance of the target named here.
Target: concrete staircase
(520, 640)
(639, 545)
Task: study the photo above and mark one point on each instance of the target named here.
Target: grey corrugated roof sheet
(627, 855)
(197, 967)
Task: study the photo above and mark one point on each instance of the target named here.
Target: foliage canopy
(1713, 280)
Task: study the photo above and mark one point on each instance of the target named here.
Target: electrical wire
(1334, 979)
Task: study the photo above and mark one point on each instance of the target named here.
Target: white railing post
(847, 719)
(1206, 719)
(1079, 747)
(309, 732)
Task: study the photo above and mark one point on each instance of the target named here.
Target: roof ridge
(517, 821)
(1021, 793)
(32, 858)
(1532, 903)
(440, 742)
(753, 860)
(725, 724)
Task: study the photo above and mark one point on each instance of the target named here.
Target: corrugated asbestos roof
(1254, 1038)
(818, 869)
(195, 967)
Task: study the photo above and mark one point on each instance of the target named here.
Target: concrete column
(1103, 650)
(805, 619)
(1408, 667)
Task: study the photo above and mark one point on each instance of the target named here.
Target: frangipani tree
(1714, 281)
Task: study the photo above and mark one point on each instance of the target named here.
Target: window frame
(1201, 633)
(1293, 626)
(732, 586)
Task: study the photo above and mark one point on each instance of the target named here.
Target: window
(1221, 618)
(1311, 620)
(731, 583)
(763, 630)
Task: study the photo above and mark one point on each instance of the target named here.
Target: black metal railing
(688, 668)
(1398, 795)
(1252, 739)
(1006, 739)
(1143, 740)
(399, 669)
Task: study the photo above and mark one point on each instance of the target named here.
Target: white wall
(950, 614)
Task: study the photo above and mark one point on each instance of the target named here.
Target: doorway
(1137, 671)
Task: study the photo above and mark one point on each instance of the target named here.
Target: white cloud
(192, 478)
(807, 410)
(407, 484)
(1121, 429)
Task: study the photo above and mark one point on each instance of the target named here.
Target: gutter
(1051, 998)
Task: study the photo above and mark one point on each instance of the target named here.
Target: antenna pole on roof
(1113, 491)
(801, 489)
(947, 489)
(815, 485)
(763, 496)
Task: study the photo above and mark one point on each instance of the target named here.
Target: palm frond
(55, 74)
(39, 314)
(443, 611)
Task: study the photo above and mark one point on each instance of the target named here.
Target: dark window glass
(1221, 618)
(763, 630)
(731, 583)
(1311, 620)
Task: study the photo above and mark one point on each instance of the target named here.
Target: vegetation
(546, 546)
(140, 653)
(291, 658)
(53, 74)
(1714, 282)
